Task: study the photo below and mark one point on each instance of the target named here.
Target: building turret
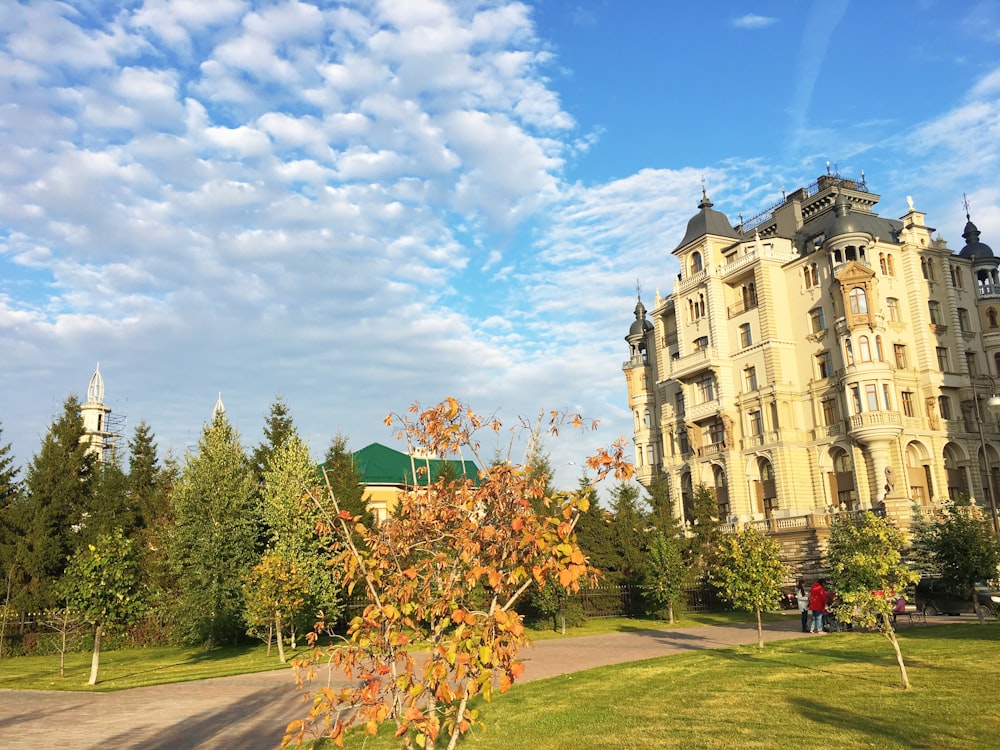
(98, 434)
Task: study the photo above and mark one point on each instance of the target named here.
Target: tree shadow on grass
(879, 729)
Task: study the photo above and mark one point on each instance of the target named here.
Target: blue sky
(363, 204)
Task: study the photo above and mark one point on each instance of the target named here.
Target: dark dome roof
(974, 249)
(708, 221)
(641, 325)
(844, 223)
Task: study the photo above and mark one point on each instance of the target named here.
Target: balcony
(695, 363)
(701, 411)
(640, 360)
(875, 425)
(988, 291)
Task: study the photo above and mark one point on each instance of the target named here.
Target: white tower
(98, 434)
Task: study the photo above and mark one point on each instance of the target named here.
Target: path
(250, 712)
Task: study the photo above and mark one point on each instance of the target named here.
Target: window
(934, 308)
(696, 263)
(696, 307)
(756, 423)
(645, 420)
(749, 295)
(878, 349)
(818, 319)
(750, 378)
(825, 364)
(856, 398)
(899, 351)
(991, 316)
(811, 275)
(746, 338)
(717, 433)
(885, 397)
(907, 398)
(829, 411)
(849, 351)
(864, 348)
(942, 358)
(859, 301)
(927, 268)
(650, 459)
(944, 407)
(706, 390)
(892, 307)
(701, 343)
(883, 264)
(891, 264)
(871, 395)
(963, 320)
(996, 363)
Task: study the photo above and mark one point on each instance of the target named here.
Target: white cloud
(753, 21)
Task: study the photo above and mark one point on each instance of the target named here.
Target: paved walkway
(250, 712)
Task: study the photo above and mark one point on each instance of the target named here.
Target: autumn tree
(866, 571)
(749, 573)
(275, 589)
(444, 579)
(966, 551)
(215, 538)
(102, 583)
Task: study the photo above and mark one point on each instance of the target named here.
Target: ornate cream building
(819, 357)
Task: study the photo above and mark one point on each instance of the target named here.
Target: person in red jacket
(818, 601)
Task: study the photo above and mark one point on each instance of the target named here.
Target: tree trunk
(904, 680)
(277, 631)
(670, 612)
(95, 659)
(760, 630)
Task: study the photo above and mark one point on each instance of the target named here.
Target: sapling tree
(102, 583)
(749, 572)
(966, 551)
(866, 572)
(666, 573)
(443, 580)
(276, 589)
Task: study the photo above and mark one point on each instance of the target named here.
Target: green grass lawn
(131, 668)
(837, 691)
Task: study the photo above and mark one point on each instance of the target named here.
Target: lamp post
(992, 405)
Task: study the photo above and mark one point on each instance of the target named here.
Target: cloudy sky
(361, 204)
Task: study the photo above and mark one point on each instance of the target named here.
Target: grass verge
(840, 690)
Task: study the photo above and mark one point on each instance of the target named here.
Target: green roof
(379, 464)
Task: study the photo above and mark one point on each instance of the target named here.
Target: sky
(360, 205)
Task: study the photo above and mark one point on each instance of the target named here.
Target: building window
(871, 395)
(645, 420)
(942, 359)
(701, 343)
(856, 398)
(650, 458)
(963, 320)
(944, 407)
(750, 378)
(811, 275)
(885, 397)
(907, 398)
(829, 411)
(825, 364)
(899, 350)
(818, 319)
(859, 301)
(756, 423)
(696, 307)
(892, 265)
(996, 364)
(927, 268)
(749, 294)
(991, 317)
(717, 433)
(864, 349)
(746, 338)
(878, 349)
(934, 308)
(892, 306)
(849, 351)
(696, 263)
(706, 390)
(883, 264)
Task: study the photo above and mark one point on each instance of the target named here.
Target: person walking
(802, 599)
(818, 601)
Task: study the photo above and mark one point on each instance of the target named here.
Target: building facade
(818, 358)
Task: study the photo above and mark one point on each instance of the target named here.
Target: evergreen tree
(593, 532)
(10, 500)
(704, 531)
(10, 487)
(217, 511)
(145, 485)
(662, 516)
(111, 508)
(57, 504)
(345, 479)
(278, 427)
(628, 533)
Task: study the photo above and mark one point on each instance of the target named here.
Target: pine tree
(593, 531)
(217, 511)
(10, 500)
(628, 533)
(278, 427)
(145, 485)
(58, 490)
(345, 479)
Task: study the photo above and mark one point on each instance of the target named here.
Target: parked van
(933, 597)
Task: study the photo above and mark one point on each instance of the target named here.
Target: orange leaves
(517, 524)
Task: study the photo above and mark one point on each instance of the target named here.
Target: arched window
(696, 263)
(849, 351)
(996, 364)
(842, 463)
(645, 420)
(878, 349)
(864, 349)
(991, 316)
(892, 266)
(883, 264)
(859, 301)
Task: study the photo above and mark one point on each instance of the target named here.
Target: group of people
(815, 604)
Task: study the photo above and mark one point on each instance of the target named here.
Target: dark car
(933, 597)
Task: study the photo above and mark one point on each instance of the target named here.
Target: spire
(95, 391)
(219, 407)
